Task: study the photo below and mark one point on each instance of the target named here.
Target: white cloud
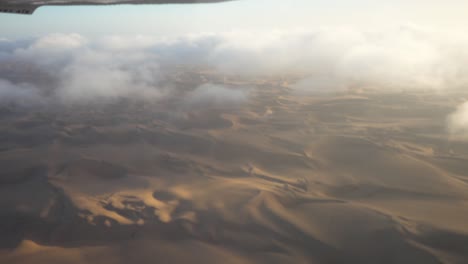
(216, 95)
(101, 75)
(51, 48)
(56, 42)
(319, 85)
(122, 43)
(23, 94)
(458, 121)
(404, 58)
(332, 59)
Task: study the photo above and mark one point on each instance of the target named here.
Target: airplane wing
(27, 7)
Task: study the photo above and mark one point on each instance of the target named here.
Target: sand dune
(337, 178)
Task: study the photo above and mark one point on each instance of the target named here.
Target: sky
(169, 20)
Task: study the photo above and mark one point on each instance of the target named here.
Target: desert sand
(361, 176)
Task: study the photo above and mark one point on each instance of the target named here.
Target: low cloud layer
(458, 121)
(216, 95)
(73, 69)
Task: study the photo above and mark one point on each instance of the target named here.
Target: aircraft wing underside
(27, 7)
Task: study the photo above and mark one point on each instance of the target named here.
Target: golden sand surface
(351, 177)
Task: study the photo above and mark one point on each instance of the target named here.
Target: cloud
(101, 75)
(84, 72)
(108, 68)
(404, 58)
(22, 94)
(319, 85)
(458, 121)
(215, 95)
(58, 42)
